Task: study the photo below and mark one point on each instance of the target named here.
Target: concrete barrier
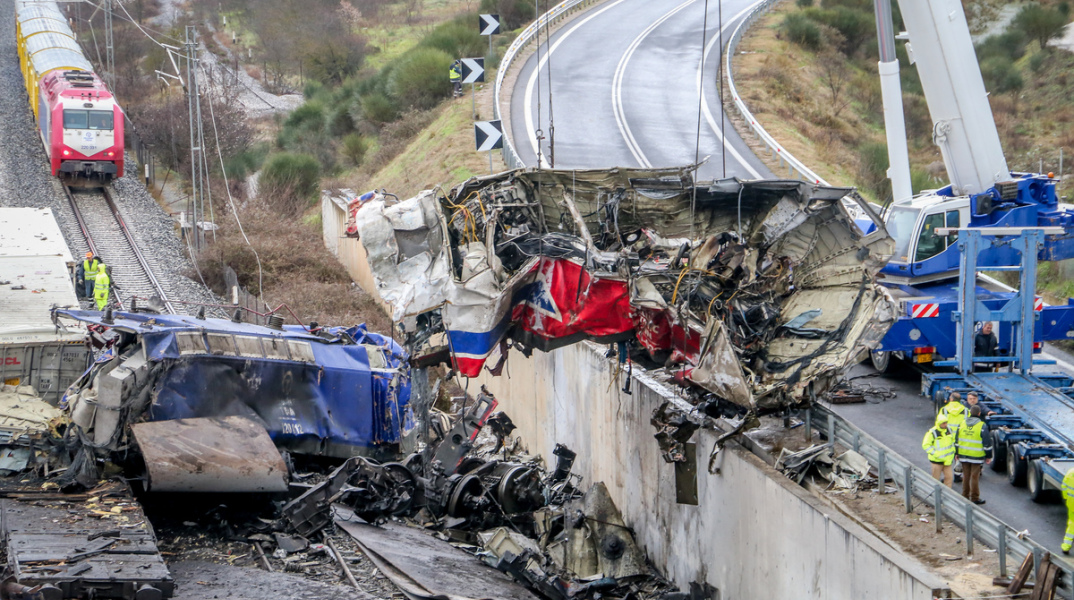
(349, 251)
(752, 534)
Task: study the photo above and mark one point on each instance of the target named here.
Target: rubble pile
(537, 526)
(761, 292)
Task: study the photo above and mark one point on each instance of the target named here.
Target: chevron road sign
(473, 70)
(489, 24)
(489, 135)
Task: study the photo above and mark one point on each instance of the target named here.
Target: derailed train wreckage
(208, 401)
(761, 292)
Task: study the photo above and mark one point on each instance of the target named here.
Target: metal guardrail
(914, 482)
(795, 167)
(557, 14)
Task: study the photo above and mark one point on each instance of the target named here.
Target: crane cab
(920, 253)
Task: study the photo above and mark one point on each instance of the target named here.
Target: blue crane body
(983, 192)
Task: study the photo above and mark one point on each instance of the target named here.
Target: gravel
(25, 180)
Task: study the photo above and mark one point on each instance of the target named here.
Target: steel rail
(128, 246)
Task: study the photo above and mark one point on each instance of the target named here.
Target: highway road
(620, 85)
(624, 81)
(900, 424)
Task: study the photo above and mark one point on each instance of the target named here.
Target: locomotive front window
(88, 119)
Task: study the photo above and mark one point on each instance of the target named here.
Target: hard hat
(89, 255)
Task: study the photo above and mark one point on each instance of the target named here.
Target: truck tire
(999, 457)
(881, 360)
(1016, 467)
(1035, 482)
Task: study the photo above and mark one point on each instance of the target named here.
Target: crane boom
(963, 126)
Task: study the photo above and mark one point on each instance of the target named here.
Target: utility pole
(194, 114)
(110, 54)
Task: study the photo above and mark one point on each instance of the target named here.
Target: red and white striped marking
(1038, 303)
(921, 311)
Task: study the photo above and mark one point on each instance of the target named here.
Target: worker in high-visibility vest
(455, 77)
(973, 446)
(939, 442)
(954, 411)
(89, 269)
(1068, 496)
(102, 286)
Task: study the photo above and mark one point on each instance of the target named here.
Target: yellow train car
(45, 43)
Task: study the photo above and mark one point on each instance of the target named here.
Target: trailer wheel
(1016, 467)
(1035, 482)
(999, 458)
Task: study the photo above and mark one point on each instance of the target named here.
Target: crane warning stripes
(1038, 303)
(921, 311)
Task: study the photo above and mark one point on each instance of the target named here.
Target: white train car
(35, 275)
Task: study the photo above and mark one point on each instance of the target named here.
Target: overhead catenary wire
(700, 101)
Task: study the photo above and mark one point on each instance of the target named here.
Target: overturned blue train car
(337, 392)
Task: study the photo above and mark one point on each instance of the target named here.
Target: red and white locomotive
(82, 125)
(80, 122)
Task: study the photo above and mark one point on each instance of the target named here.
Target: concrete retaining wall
(753, 535)
(349, 251)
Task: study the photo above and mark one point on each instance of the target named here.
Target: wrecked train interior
(758, 292)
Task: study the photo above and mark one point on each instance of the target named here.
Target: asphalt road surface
(620, 86)
(901, 423)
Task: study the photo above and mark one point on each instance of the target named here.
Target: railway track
(106, 235)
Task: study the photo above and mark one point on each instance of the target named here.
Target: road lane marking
(527, 107)
(617, 85)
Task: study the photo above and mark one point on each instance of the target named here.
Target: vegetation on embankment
(808, 73)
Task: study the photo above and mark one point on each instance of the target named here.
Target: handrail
(915, 482)
(556, 14)
(796, 168)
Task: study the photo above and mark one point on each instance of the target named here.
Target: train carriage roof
(51, 59)
(50, 40)
(24, 11)
(44, 24)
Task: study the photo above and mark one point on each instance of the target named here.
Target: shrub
(854, 25)
(354, 148)
(459, 38)
(340, 122)
(873, 167)
(1011, 45)
(1039, 23)
(804, 3)
(1036, 62)
(378, 108)
(801, 31)
(309, 116)
(312, 89)
(289, 181)
(513, 13)
(1000, 75)
(419, 80)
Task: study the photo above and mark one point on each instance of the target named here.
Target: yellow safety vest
(90, 269)
(940, 445)
(1068, 486)
(454, 74)
(955, 413)
(969, 442)
(100, 289)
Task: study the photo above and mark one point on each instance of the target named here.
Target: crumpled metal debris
(721, 278)
(326, 391)
(846, 471)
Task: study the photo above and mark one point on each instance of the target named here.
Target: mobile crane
(983, 192)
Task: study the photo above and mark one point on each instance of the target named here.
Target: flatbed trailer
(1032, 420)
